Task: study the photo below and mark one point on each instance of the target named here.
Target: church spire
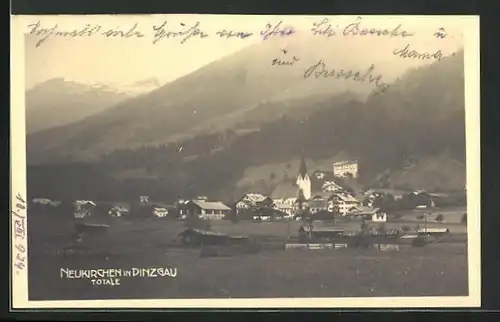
(302, 168)
(303, 180)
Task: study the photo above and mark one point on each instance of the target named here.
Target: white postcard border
(472, 98)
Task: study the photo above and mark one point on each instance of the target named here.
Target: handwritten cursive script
(276, 30)
(19, 230)
(320, 69)
(408, 52)
(440, 33)
(118, 33)
(231, 34)
(323, 28)
(161, 32)
(356, 29)
(45, 33)
(284, 61)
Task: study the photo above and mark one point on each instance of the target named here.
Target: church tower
(303, 180)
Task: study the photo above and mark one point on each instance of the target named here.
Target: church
(293, 188)
(303, 181)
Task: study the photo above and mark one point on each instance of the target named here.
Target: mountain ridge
(240, 82)
(59, 101)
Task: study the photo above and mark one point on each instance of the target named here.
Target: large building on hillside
(346, 168)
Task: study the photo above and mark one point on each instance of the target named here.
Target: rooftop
(211, 205)
(346, 197)
(317, 204)
(303, 168)
(345, 162)
(203, 232)
(120, 208)
(290, 200)
(322, 195)
(283, 206)
(84, 202)
(361, 210)
(162, 205)
(323, 228)
(255, 197)
(433, 230)
(395, 192)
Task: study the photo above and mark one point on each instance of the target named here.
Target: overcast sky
(122, 61)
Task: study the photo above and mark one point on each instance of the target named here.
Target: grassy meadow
(434, 270)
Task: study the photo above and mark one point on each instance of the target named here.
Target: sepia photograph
(260, 158)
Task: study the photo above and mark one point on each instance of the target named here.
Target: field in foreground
(435, 270)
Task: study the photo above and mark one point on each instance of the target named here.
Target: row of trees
(387, 202)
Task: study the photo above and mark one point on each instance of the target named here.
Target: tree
(233, 216)
(405, 203)
(272, 176)
(364, 227)
(464, 218)
(439, 218)
(421, 217)
(378, 202)
(381, 229)
(405, 228)
(388, 203)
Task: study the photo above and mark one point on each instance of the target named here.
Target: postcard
(245, 161)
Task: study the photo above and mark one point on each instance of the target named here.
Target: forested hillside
(420, 117)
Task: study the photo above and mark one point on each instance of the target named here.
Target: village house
(422, 199)
(45, 202)
(330, 186)
(160, 212)
(162, 208)
(362, 199)
(292, 201)
(83, 208)
(369, 200)
(322, 195)
(343, 202)
(208, 209)
(181, 207)
(288, 209)
(317, 205)
(377, 192)
(286, 205)
(320, 175)
(369, 213)
(158, 209)
(436, 197)
(345, 168)
(118, 211)
(253, 200)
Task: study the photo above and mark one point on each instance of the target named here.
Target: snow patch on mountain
(133, 89)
